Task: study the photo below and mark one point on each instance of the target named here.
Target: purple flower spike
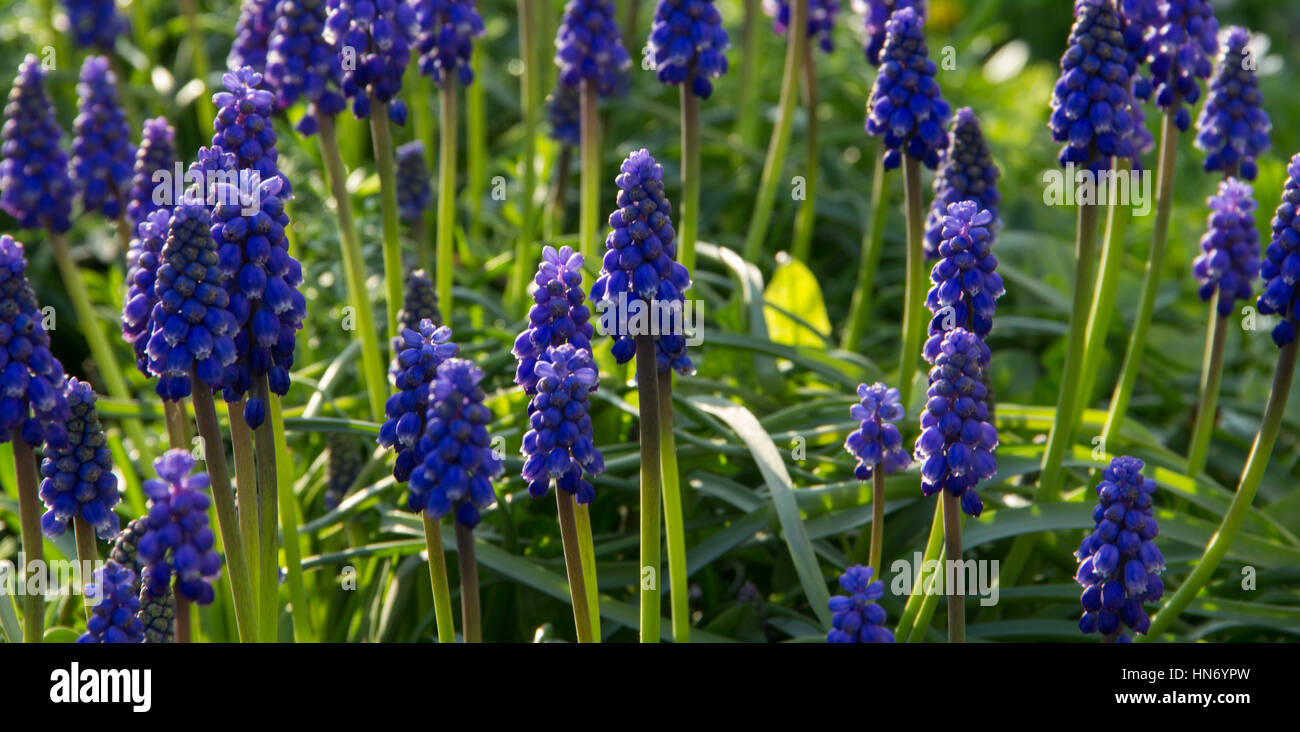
(413, 190)
(1181, 48)
(1280, 267)
(1233, 126)
(301, 64)
(876, 14)
(374, 38)
(906, 107)
(419, 354)
(157, 152)
(445, 41)
(821, 19)
(420, 302)
(115, 604)
(78, 480)
(965, 283)
(856, 618)
(252, 35)
(102, 154)
(178, 541)
(589, 46)
(95, 23)
(34, 184)
(966, 173)
(32, 403)
(559, 446)
(559, 314)
(1229, 259)
(142, 259)
(243, 126)
(563, 112)
(877, 443)
(689, 44)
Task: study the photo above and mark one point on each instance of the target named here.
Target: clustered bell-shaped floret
(157, 607)
(689, 44)
(589, 46)
(376, 37)
(875, 15)
(177, 540)
(459, 463)
(420, 302)
(1181, 47)
(1229, 259)
(1092, 102)
(563, 112)
(32, 404)
(905, 106)
(965, 283)
(856, 618)
(114, 604)
(1280, 268)
(95, 23)
(966, 173)
(243, 126)
(558, 445)
(34, 184)
(877, 443)
(559, 314)
(419, 354)
(1119, 563)
(78, 480)
(445, 39)
(102, 154)
(413, 189)
(1233, 126)
(143, 255)
(821, 19)
(301, 64)
(957, 439)
(252, 34)
(342, 468)
(157, 152)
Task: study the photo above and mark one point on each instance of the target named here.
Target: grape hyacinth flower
(343, 467)
(420, 303)
(589, 46)
(301, 64)
(957, 439)
(193, 328)
(559, 314)
(876, 443)
(966, 173)
(114, 618)
(419, 354)
(177, 539)
(34, 184)
(243, 126)
(1229, 259)
(856, 618)
(966, 285)
(142, 260)
(157, 609)
(1233, 126)
(32, 403)
(905, 105)
(447, 29)
(459, 464)
(689, 44)
(95, 23)
(1180, 49)
(563, 112)
(1119, 563)
(876, 14)
(1092, 105)
(379, 34)
(252, 34)
(558, 445)
(1280, 267)
(102, 154)
(157, 152)
(78, 473)
(413, 189)
(821, 19)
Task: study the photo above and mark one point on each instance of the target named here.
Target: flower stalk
(648, 392)
(446, 194)
(952, 550)
(587, 552)
(29, 521)
(589, 204)
(860, 305)
(471, 615)
(438, 577)
(528, 103)
(573, 566)
(674, 524)
(807, 215)
(1103, 296)
(914, 319)
(241, 443)
(1208, 394)
(382, 138)
(690, 200)
(268, 509)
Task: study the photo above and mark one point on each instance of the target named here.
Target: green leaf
(795, 312)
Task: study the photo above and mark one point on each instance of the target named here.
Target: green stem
(382, 138)
(178, 425)
(559, 187)
(689, 209)
(528, 85)
(589, 207)
(1211, 377)
(629, 23)
(267, 509)
(780, 140)
(648, 399)
(860, 307)
(471, 616)
(674, 524)
(914, 319)
(806, 218)
(929, 599)
(302, 626)
(587, 551)
(1103, 296)
(223, 499)
(354, 270)
(446, 195)
(241, 443)
(1150, 282)
(87, 553)
(573, 566)
(29, 523)
(1251, 476)
(181, 609)
(199, 59)
(933, 547)
(952, 552)
(476, 149)
(877, 520)
(747, 113)
(438, 578)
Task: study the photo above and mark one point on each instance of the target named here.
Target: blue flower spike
(877, 443)
(77, 475)
(32, 401)
(559, 446)
(906, 108)
(855, 617)
(178, 543)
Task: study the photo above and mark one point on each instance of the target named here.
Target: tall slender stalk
(1103, 296)
(354, 270)
(382, 137)
(929, 599)
(528, 104)
(559, 188)
(747, 112)
(647, 384)
(689, 205)
(806, 217)
(674, 524)
(1251, 476)
(87, 554)
(796, 41)
(302, 626)
(1208, 401)
(933, 548)
(182, 622)
(877, 519)
(952, 550)
(471, 616)
(223, 499)
(438, 578)
(199, 61)
(476, 149)
(241, 443)
(268, 513)
(29, 524)
(914, 319)
(446, 193)
(573, 566)
(860, 306)
(587, 551)
(589, 205)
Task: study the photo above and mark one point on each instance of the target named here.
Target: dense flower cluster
(1280, 268)
(966, 173)
(413, 189)
(157, 152)
(958, 438)
(641, 264)
(1119, 563)
(1092, 102)
(856, 618)
(458, 462)
(193, 328)
(876, 14)
(689, 44)
(102, 154)
(419, 354)
(445, 38)
(1181, 48)
(34, 184)
(31, 400)
(341, 470)
(252, 34)
(821, 19)
(589, 46)
(1229, 259)
(564, 112)
(95, 23)
(377, 35)
(966, 285)
(877, 441)
(1233, 126)
(300, 64)
(243, 126)
(177, 539)
(78, 480)
(142, 258)
(115, 606)
(559, 314)
(157, 607)
(420, 302)
(559, 445)
(905, 105)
